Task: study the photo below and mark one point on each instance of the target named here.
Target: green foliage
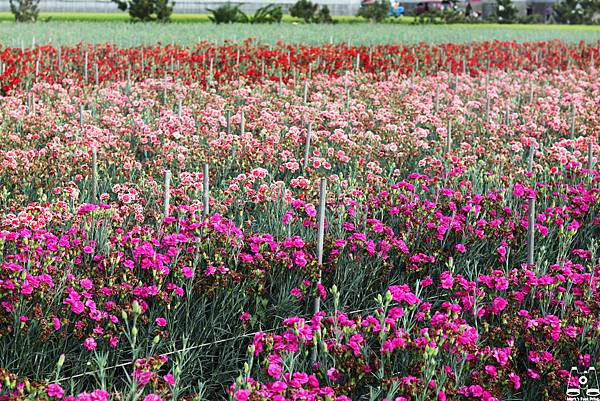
(576, 11)
(375, 12)
(506, 12)
(163, 10)
(25, 10)
(227, 14)
(305, 10)
(323, 16)
(267, 15)
(147, 10)
(311, 12)
(531, 19)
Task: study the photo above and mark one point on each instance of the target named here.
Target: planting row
(251, 61)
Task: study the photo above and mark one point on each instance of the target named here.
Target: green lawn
(191, 18)
(183, 18)
(67, 29)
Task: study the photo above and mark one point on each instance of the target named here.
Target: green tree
(507, 12)
(576, 11)
(147, 10)
(311, 12)
(376, 11)
(227, 14)
(25, 10)
(304, 9)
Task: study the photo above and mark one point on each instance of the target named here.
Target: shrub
(576, 11)
(227, 14)
(376, 11)
(25, 10)
(531, 19)
(163, 10)
(507, 12)
(323, 16)
(452, 16)
(267, 15)
(305, 10)
(147, 10)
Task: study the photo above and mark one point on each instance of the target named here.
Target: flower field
(288, 222)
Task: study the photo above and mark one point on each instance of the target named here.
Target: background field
(126, 34)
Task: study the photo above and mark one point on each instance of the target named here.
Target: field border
(287, 19)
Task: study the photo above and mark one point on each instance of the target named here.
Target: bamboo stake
(531, 232)
(449, 138)
(167, 192)
(531, 94)
(85, 68)
(307, 149)
(305, 92)
(165, 89)
(321, 235)
(590, 157)
(573, 114)
(228, 119)
(206, 191)
(94, 175)
(242, 123)
(280, 85)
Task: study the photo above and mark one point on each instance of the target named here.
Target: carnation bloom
(55, 390)
(169, 379)
(242, 395)
(90, 343)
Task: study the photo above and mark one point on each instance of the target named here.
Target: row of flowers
(208, 63)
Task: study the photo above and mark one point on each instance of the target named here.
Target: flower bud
(135, 307)
(61, 361)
